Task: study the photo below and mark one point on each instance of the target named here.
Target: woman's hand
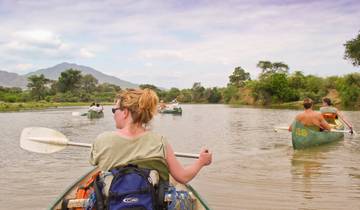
(205, 157)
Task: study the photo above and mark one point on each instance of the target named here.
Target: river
(253, 167)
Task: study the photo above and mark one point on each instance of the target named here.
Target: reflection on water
(253, 168)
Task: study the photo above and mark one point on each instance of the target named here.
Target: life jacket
(88, 195)
(329, 115)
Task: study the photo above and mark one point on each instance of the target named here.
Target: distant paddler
(162, 105)
(310, 118)
(331, 113)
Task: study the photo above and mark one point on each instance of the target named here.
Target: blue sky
(177, 43)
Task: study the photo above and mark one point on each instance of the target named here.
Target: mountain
(55, 71)
(8, 79)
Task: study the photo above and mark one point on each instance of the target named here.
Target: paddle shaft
(332, 130)
(177, 154)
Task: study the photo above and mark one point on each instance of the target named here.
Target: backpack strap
(64, 204)
(98, 194)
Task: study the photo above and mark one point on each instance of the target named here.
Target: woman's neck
(132, 130)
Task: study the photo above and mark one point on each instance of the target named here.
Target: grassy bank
(5, 107)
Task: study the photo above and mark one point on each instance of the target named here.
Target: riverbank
(9, 107)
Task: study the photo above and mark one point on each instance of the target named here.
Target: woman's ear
(126, 113)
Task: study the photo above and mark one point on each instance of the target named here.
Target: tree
(107, 87)
(197, 92)
(269, 68)
(352, 50)
(265, 66)
(239, 77)
(185, 96)
(69, 80)
(279, 67)
(37, 85)
(172, 94)
(214, 95)
(229, 93)
(89, 83)
(297, 80)
(152, 87)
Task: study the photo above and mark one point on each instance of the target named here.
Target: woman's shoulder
(155, 136)
(106, 136)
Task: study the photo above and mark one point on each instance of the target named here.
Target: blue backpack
(132, 189)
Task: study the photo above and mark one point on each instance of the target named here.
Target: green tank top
(147, 151)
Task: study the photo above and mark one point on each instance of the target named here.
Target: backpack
(134, 188)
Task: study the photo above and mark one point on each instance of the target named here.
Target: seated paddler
(133, 143)
(331, 113)
(311, 119)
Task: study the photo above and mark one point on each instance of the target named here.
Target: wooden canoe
(198, 202)
(304, 137)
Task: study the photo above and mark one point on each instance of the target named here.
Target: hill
(55, 71)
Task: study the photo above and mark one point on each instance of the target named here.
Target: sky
(175, 43)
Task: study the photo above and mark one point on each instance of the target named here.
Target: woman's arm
(185, 174)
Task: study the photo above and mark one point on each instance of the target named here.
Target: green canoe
(198, 202)
(93, 114)
(305, 137)
(171, 111)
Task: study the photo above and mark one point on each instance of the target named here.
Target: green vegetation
(275, 87)
(352, 50)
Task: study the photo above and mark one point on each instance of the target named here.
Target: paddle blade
(75, 113)
(276, 129)
(42, 140)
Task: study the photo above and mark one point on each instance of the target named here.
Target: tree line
(273, 85)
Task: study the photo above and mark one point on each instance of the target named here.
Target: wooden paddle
(276, 129)
(46, 140)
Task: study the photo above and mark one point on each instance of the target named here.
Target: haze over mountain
(8, 79)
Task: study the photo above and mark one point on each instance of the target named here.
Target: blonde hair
(142, 104)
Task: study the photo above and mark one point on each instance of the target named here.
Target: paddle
(46, 140)
(78, 114)
(276, 129)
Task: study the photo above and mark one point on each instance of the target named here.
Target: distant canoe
(171, 111)
(198, 202)
(94, 114)
(304, 137)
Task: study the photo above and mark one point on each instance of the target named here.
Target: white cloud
(161, 54)
(23, 66)
(85, 53)
(148, 64)
(202, 40)
(39, 38)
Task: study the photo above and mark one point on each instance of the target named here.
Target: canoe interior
(199, 203)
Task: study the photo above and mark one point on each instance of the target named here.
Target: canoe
(304, 137)
(69, 193)
(93, 114)
(171, 111)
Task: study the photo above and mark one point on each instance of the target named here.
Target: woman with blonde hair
(133, 143)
